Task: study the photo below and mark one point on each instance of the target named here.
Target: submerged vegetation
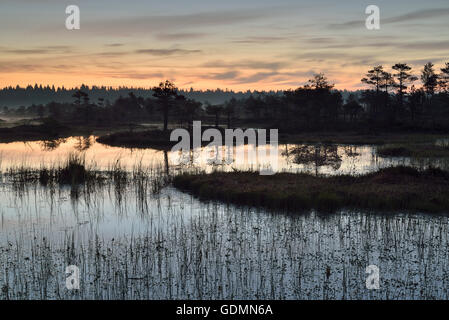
(396, 188)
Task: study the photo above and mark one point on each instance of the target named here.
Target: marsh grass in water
(79, 176)
(224, 253)
(129, 245)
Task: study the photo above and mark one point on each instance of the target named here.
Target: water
(319, 159)
(169, 245)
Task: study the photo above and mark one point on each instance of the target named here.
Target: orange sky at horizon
(73, 81)
(255, 45)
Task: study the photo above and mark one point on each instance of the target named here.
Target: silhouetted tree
(229, 110)
(444, 78)
(429, 79)
(320, 82)
(215, 110)
(374, 78)
(166, 94)
(352, 108)
(416, 101)
(387, 81)
(253, 106)
(274, 105)
(403, 77)
(78, 95)
(189, 109)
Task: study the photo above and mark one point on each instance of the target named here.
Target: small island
(391, 189)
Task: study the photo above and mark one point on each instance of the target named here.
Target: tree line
(17, 96)
(394, 100)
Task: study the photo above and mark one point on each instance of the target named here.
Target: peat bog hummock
(223, 160)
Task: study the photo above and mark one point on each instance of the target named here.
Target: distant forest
(397, 98)
(13, 97)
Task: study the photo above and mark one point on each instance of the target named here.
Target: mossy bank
(391, 189)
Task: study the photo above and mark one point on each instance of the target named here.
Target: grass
(156, 139)
(215, 252)
(390, 189)
(75, 173)
(139, 139)
(358, 138)
(48, 130)
(185, 250)
(423, 150)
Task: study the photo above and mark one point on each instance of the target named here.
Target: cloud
(426, 45)
(275, 76)
(114, 45)
(166, 52)
(36, 50)
(223, 76)
(412, 16)
(421, 14)
(320, 40)
(135, 75)
(247, 64)
(18, 67)
(111, 53)
(262, 39)
(173, 23)
(167, 36)
(395, 44)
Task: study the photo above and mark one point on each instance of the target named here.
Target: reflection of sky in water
(351, 159)
(291, 252)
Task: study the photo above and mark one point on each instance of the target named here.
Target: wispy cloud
(262, 39)
(167, 36)
(247, 64)
(114, 44)
(172, 23)
(166, 52)
(222, 76)
(272, 76)
(36, 50)
(412, 16)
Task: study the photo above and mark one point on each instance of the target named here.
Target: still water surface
(170, 245)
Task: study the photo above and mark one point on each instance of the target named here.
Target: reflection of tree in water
(351, 151)
(215, 157)
(83, 143)
(316, 155)
(50, 145)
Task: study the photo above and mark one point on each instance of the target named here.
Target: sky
(208, 44)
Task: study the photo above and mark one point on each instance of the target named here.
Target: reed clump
(74, 172)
